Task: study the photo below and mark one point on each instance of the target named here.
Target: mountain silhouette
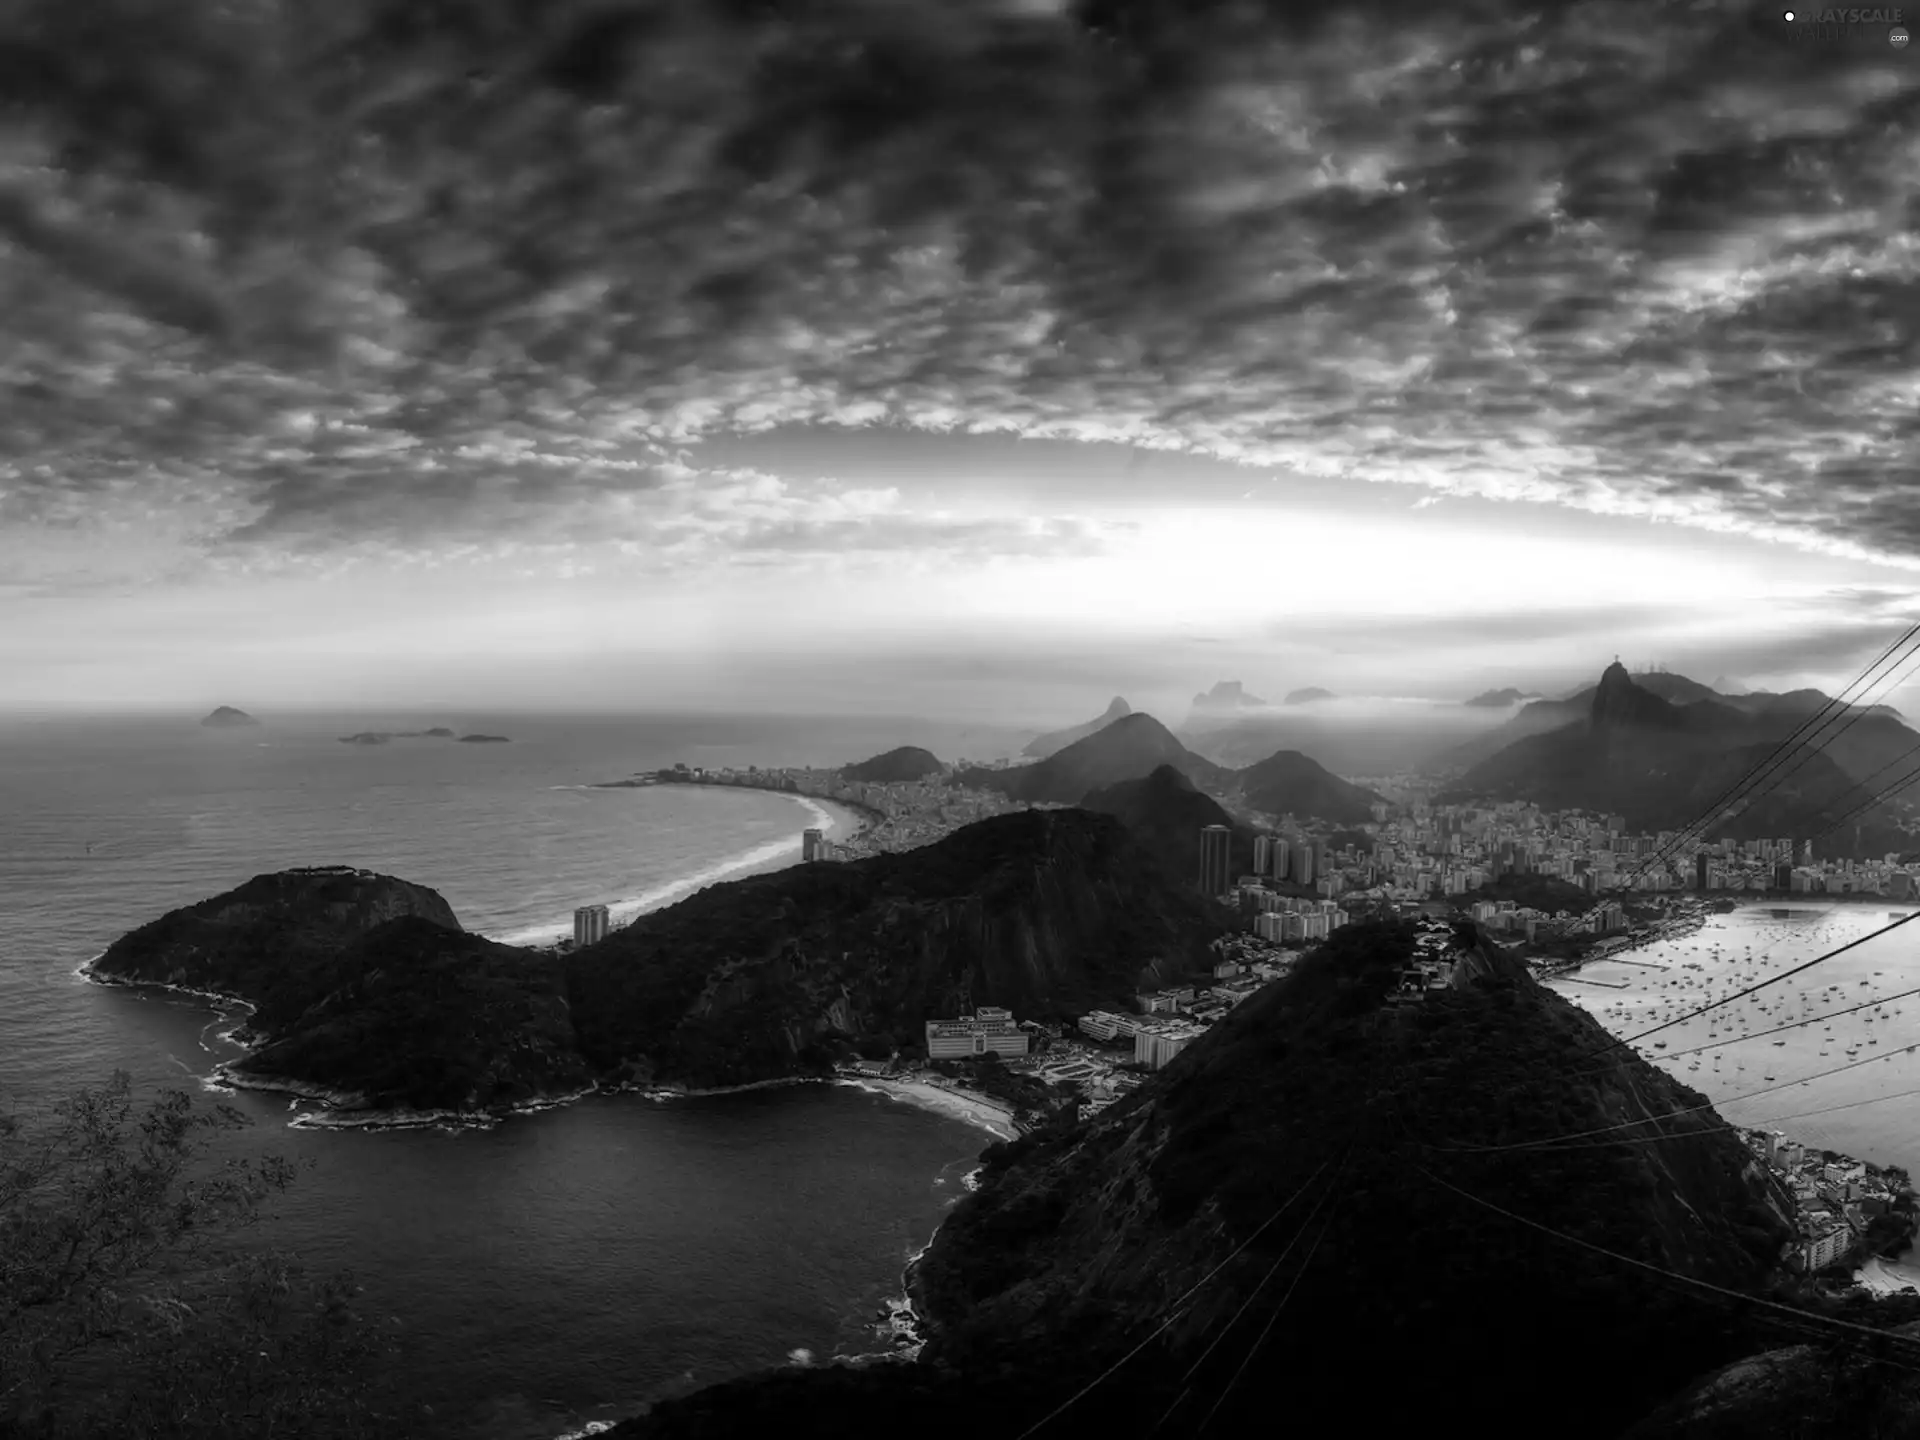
(1862, 740)
(1661, 765)
(1289, 783)
(906, 763)
(1054, 741)
(1129, 748)
(1165, 814)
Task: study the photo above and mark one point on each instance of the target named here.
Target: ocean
(566, 1266)
(1848, 1083)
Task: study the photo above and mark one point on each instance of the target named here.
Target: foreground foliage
(126, 1308)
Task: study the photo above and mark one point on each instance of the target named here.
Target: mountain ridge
(1041, 746)
(1049, 912)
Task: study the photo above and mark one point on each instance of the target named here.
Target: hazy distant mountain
(1660, 765)
(907, 763)
(1129, 748)
(1349, 737)
(1291, 783)
(1226, 697)
(1500, 699)
(226, 717)
(1308, 696)
(1723, 686)
(1165, 814)
(1042, 746)
(1861, 745)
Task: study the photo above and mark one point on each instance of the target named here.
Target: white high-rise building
(590, 923)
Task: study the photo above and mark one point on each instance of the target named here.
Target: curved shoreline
(762, 859)
(348, 1110)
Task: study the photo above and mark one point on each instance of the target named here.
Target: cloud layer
(391, 272)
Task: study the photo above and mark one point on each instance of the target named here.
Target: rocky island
(228, 718)
(483, 740)
(381, 737)
(367, 994)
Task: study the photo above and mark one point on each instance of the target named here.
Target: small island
(226, 717)
(483, 740)
(381, 737)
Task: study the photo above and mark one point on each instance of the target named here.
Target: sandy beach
(990, 1115)
(1887, 1277)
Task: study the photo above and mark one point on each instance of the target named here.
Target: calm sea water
(1800, 1080)
(565, 1266)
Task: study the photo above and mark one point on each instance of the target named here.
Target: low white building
(988, 1028)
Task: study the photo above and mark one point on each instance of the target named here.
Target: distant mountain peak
(1308, 696)
(1227, 695)
(1618, 701)
(1500, 699)
(1054, 741)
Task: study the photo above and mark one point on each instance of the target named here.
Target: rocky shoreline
(348, 1110)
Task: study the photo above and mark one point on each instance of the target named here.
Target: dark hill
(1166, 815)
(1499, 699)
(366, 985)
(1226, 696)
(226, 717)
(425, 1018)
(1047, 912)
(907, 763)
(1289, 783)
(1863, 744)
(1130, 748)
(1660, 765)
(1308, 696)
(1042, 746)
(1079, 1246)
(274, 941)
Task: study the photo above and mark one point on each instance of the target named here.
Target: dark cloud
(1635, 257)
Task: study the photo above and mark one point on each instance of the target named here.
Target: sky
(984, 358)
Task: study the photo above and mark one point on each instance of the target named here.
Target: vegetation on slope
(433, 1019)
(906, 763)
(1048, 912)
(273, 941)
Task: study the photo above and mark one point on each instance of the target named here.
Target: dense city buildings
(590, 923)
(897, 816)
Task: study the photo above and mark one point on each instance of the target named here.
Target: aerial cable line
(1554, 1142)
(1174, 1310)
(1796, 1316)
(1751, 989)
(1225, 1330)
(1774, 1030)
(1267, 1329)
(1694, 831)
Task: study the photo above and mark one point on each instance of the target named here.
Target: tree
(125, 1308)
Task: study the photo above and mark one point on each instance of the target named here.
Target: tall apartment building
(811, 840)
(590, 923)
(1700, 870)
(1279, 855)
(1303, 858)
(1215, 844)
(1262, 854)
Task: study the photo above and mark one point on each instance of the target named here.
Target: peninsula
(367, 994)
